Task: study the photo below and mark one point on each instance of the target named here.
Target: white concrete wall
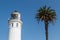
(15, 33)
(14, 30)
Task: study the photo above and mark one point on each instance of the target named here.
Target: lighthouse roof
(15, 12)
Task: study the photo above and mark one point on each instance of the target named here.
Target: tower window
(12, 24)
(17, 24)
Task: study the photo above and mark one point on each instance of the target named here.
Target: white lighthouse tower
(15, 24)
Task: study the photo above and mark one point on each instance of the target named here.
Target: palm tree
(47, 15)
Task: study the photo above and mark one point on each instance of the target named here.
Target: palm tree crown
(46, 14)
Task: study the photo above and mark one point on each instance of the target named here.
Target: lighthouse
(15, 25)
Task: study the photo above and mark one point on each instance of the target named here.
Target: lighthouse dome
(15, 15)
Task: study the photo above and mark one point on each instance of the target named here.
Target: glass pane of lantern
(14, 16)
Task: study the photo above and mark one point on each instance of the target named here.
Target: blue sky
(31, 30)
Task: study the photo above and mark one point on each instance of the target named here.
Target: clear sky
(31, 30)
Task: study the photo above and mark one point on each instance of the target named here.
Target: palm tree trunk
(46, 29)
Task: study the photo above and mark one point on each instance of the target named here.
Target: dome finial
(15, 11)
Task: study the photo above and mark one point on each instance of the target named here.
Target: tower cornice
(15, 20)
